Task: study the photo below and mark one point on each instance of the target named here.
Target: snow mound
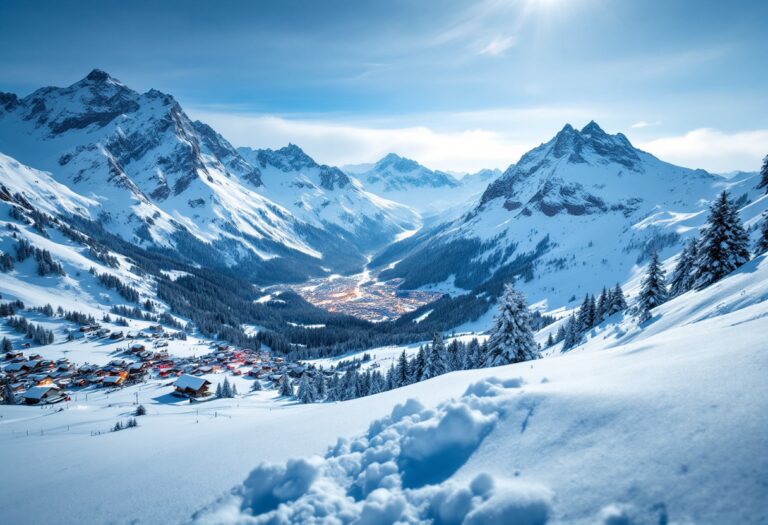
(400, 471)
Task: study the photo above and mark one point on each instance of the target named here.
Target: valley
(364, 297)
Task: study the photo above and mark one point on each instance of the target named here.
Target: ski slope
(662, 423)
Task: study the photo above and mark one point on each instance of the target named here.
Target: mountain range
(150, 174)
(581, 211)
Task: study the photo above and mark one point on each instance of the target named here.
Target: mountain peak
(398, 163)
(98, 75)
(592, 129)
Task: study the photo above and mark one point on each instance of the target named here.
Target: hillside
(618, 429)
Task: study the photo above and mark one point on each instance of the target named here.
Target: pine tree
(453, 356)
(682, 276)
(435, 363)
(306, 393)
(9, 397)
(617, 302)
(390, 381)
(723, 246)
(419, 365)
(226, 389)
(321, 388)
(7, 346)
(474, 355)
(402, 371)
(653, 291)
(219, 391)
(377, 383)
(572, 333)
(511, 339)
(764, 175)
(256, 386)
(560, 334)
(762, 241)
(286, 389)
(601, 309)
(550, 340)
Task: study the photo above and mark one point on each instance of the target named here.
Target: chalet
(39, 395)
(13, 354)
(116, 335)
(15, 368)
(137, 347)
(117, 380)
(89, 328)
(191, 386)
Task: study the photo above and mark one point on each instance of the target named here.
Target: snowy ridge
(326, 197)
(163, 180)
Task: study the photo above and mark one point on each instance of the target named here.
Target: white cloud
(338, 143)
(643, 124)
(712, 149)
(497, 46)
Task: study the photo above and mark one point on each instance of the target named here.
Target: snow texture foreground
(398, 472)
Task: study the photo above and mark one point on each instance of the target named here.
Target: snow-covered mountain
(408, 182)
(162, 180)
(326, 197)
(576, 213)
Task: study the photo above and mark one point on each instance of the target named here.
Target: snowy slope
(326, 197)
(665, 427)
(163, 180)
(579, 212)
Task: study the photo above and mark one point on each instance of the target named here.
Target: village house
(191, 386)
(39, 395)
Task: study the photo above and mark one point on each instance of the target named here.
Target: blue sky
(454, 84)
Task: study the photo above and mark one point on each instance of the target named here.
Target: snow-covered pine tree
(617, 301)
(474, 357)
(418, 365)
(682, 276)
(286, 388)
(653, 290)
(560, 334)
(226, 389)
(390, 378)
(402, 371)
(219, 391)
(306, 393)
(256, 386)
(453, 353)
(511, 339)
(724, 244)
(321, 387)
(601, 309)
(435, 362)
(233, 390)
(764, 175)
(762, 242)
(9, 397)
(572, 332)
(333, 388)
(550, 340)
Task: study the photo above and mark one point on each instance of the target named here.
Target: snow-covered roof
(192, 382)
(37, 392)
